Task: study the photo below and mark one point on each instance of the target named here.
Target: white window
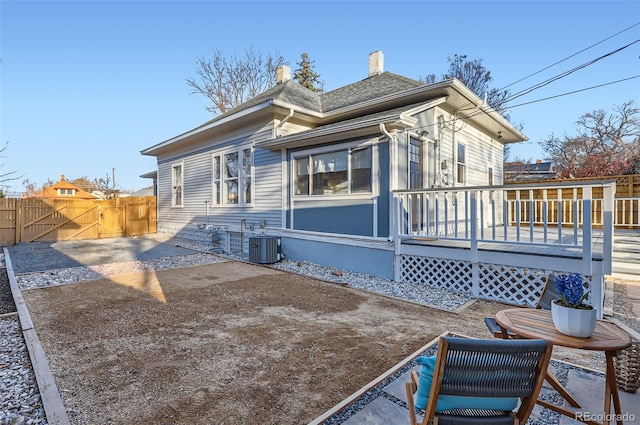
(65, 192)
(217, 184)
(415, 163)
(176, 185)
(337, 172)
(461, 160)
(232, 177)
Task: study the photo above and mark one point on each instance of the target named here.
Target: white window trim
(491, 176)
(66, 192)
(173, 198)
(424, 163)
(466, 155)
(223, 187)
(333, 148)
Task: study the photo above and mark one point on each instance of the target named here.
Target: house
(62, 190)
(145, 191)
(518, 171)
(319, 169)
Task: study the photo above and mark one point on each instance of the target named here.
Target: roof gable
(381, 92)
(69, 190)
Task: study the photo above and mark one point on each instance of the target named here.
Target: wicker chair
(549, 293)
(483, 368)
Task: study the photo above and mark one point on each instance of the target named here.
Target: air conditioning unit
(264, 249)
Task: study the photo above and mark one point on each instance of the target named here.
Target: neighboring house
(62, 190)
(319, 169)
(145, 191)
(153, 175)
(519, 171)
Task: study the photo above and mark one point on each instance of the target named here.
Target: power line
(558, 95)
(576, 91)
(566, 73)
(481, 111)
(569, 57)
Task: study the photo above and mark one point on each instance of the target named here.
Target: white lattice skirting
(437, 272)
(497, 282)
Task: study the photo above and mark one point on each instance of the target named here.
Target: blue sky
(86, 85)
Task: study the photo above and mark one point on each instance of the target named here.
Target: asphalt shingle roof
(368, 89)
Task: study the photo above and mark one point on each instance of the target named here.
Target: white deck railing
(551, 216)
(627, 212)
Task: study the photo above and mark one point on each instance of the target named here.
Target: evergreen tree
(305, 75)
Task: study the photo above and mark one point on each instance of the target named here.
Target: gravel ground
(20, 400)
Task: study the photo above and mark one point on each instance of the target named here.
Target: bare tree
(107, 186)
(606, 144)
(228, 81)
(85, 184)
(29, 188)
(6, 176)
(473, 74)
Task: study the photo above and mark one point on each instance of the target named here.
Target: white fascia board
(478, 104)
(298, 109)
(424, 107)
(232, 117)
(394, 121)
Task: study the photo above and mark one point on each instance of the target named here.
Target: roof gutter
(205, 127)
(306, 111)
(395, 120)
(484, 108)
(424, 107)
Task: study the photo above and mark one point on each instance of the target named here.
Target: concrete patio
(383, 402)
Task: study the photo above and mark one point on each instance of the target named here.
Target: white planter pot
(573, 321)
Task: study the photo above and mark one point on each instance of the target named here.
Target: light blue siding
(371, 261)
(350, 217)
(383, 198)
(198, 188)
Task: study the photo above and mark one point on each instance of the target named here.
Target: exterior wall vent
(264, 249)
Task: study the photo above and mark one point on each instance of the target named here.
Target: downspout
(287, 118)
(393, 154)
(454, 153)
(285, 172)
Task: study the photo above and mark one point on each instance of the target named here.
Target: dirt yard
(227, 343)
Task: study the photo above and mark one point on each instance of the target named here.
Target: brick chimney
(283, 74)
(376, 63)
(538, 161)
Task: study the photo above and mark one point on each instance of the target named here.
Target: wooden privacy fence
(533, 205)
(34, 219)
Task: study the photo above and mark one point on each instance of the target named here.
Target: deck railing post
(587, 259)
(518, 218)
(475, 269)
(531, 215)
(397, 240)
(505, 214)
(608, 194)
(473, 204)
(545, 215)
